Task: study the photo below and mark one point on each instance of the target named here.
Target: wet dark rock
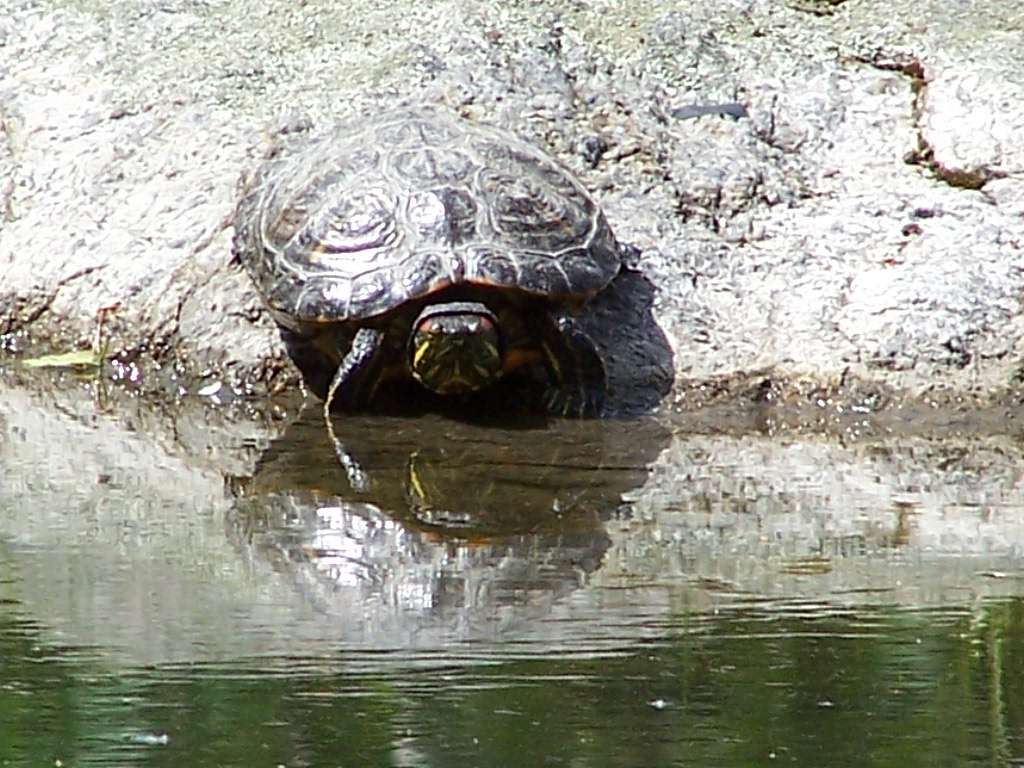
(693, 111)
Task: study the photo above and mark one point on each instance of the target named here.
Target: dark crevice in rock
(818, 7)
(924, 155)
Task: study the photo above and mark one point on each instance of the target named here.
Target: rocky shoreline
(858, 234)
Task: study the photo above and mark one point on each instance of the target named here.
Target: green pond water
(188, 590)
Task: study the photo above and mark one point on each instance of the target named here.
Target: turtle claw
(583, 404)
(554, 401)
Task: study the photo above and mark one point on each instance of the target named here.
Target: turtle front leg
(356, 379)
(577, 372)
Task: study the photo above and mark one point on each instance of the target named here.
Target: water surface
(186, 591)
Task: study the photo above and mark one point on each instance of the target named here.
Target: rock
(859, 230)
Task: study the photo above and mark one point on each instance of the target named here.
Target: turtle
(417, 245)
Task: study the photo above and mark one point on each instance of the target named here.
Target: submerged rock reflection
(465, 523)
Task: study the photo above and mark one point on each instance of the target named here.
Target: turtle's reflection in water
(451, 520)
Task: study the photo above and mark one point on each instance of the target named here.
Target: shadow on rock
(639, 359)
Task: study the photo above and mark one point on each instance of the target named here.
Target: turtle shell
(394, 207)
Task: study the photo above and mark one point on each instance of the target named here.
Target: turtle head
(455, 348)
